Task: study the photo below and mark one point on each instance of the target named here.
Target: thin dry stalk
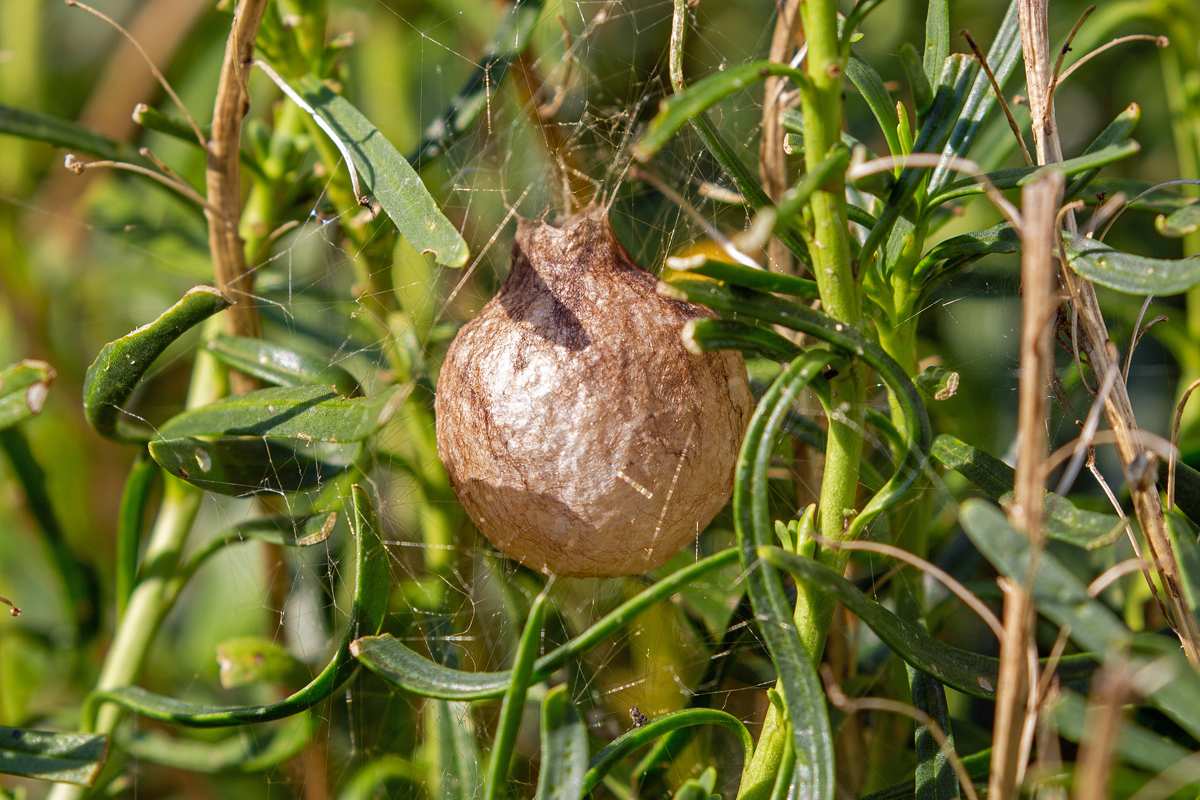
(1040, 202)
(1110, 691)
(948, 580)
(1038, 70)
(772, 161)
(987, 68)
(853, 706)
(1175, 441)
(223, 179)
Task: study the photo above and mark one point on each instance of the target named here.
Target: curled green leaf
(280, 366)
(392, 180)
(677, 110)
(246, 660)
(238, 753)
(636, 738)
(310, 413)
(61, 757)
(1183, 222)
(1063, 521)
(245, 465)
(1130, 273)
(23, 390)
(564, 748)
(398, 664)
(115, 373)
(369, 606)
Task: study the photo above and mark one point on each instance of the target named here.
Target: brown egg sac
(579, 433)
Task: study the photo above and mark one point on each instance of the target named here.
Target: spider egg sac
(578, 432)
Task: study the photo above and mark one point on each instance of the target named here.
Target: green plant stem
(513, 707)
(840, 297)
(151, 599)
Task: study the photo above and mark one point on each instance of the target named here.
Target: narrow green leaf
(513, 706)
(636, 738)
(954, 254)
(1183, 222)
(64, 133)
(918, 81)
(949, 101)
(704, 335)
(1115, 133)
(802, 693)
(115, 373)
(1129, 273)
(1064, 522)
(369, 607)
(853, 344)
(239, 466)
(400, 665)
(246, 660)
(509, 39)
(311, 413)
(935, 778)
(937, 39)
(1187, 553)
(977, 766)
(564, 748)
(23, 390)
(1187, 490)
(283, 531)
(1061, 597)
(796, 198)
(1017, 177)
(279, 365)
(134, 499)
(738, 275)
(1135, 745)
(61, 757)
(870, 86)
(80, 584)
(1003, 56)
(368, 781)
(964, 671)
(392, 180)
(677, 110)
(152, 119)
(238, 753)
(451, 751)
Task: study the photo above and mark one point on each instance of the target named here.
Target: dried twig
(1015, 709)
(1066, 48)
(1111, 689)
(772, 161)
(150, 63)
(1161, 41)
(1146, 502)
(1137, 548)
(223, 179)
(1012, 122)
(171, 181)
(963, 593)
(853, 706)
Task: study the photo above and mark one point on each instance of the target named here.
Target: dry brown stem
(772, 161)
(223, 179)
(1038, 73)
(1040, 202)
(1111, 689)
